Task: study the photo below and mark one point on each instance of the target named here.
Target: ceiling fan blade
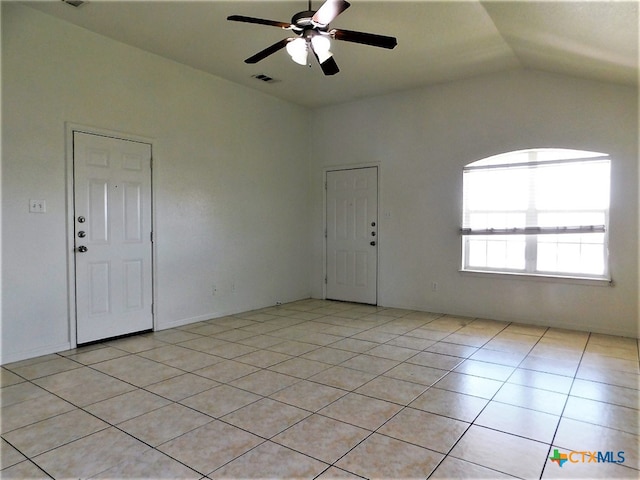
(268, 51)
(329, 66)
(365, 38)
(259, 21)
(329, 11)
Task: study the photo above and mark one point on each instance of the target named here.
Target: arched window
(542, 211)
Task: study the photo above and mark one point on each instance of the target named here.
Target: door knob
(81, 234)
(82, 249)
(373, 234)
(373, 244)
(81, 219)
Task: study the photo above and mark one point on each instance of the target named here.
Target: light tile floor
(319, 389)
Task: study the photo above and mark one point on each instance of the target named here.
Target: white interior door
(351, 230)
(113, 254)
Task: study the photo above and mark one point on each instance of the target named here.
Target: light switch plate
(37, 206)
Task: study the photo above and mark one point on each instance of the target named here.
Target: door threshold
(351, 301)
(110, 339)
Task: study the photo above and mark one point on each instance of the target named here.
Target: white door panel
(352, 219)
(112, 206)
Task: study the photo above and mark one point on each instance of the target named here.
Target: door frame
(335, 168)
(70, 129)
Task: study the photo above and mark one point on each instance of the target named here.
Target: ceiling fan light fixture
(298, 50)
(321, 45)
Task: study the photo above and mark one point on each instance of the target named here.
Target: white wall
(231, 202)
(234, 204)
(422, 138)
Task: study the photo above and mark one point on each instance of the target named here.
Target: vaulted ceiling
(437, 41)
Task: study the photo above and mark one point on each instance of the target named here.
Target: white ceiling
(437, 41)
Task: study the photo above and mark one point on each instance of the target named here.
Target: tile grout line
(555, 432)
(376, 431)
(317, 413)
(214, 418)
(472, 423)
(374, 325)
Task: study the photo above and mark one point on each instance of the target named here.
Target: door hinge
(151, 236)
(152, 309)
(325, 279)
(325, 233)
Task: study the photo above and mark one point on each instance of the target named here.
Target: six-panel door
(113, 254)
(352, 228)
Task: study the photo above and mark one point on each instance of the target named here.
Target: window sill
(596, 282)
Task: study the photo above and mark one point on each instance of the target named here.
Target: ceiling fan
(313, 34)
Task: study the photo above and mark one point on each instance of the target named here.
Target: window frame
(531, 234)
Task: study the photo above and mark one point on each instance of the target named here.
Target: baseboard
(601, 329)
(38, 352)
(219, 314)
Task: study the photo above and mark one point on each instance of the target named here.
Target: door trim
(335, 168)
(70, 128)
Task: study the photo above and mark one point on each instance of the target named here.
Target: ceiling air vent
(265, 78)
(74, 3)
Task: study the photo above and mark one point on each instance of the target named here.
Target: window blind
(552, 197)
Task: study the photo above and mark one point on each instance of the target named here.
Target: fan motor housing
(303, 19)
